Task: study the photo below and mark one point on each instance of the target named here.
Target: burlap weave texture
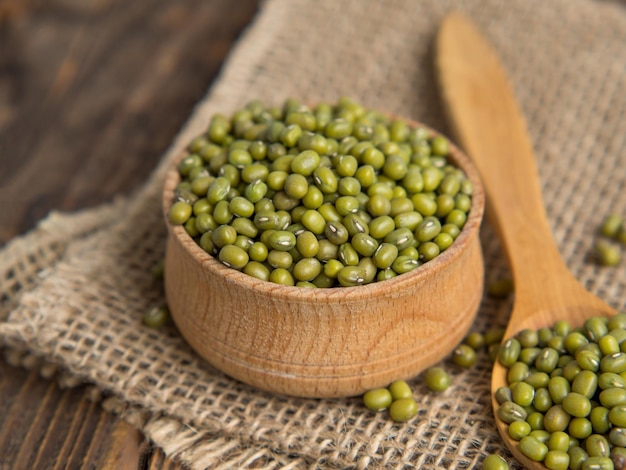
(74, 290)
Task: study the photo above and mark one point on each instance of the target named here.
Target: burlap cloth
(73, 290)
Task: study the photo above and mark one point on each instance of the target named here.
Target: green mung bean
(543, 400)
(179, 213)
(617, 437)
(364, 244)
(617, 416)
(608, 380)
(156, 317)
(559, 441)
(597, 445)
(400, 389)
(258, 270)
(599, 418)
(597, 463)
(612, 397)
(533, 448)
(437, 379)
(617, 322)
(580, 428)
(464, 356)
(541, 435)
(307, 269)
(589, 360)
(351, 276)
(522, 393)
(233, 256)
(577, 405)
(615, 363)
(556, 460)
(528, 338)
(509, 352)
(577, 456)
(282, 276)
(495, 462)
(509, 412)
(503, 394)
(608, 345)
(519, 429)
(611, 225)
(403, 409)
(378, 399)
(607, 253)
(556, 419)
(475, 340)
(573, 341)
(559, 388)
(585, 383)
(537, 379)
(529, 355)
(279, 259)
(517, 372)
(547, 360)
(535, 419)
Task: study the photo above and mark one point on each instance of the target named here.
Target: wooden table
(91, 94)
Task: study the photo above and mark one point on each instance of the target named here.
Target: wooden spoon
(488, 123)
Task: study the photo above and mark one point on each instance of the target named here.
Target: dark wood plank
(46, 427)
(158, 461)
(91, 93)
(96, 90)
(17, 388)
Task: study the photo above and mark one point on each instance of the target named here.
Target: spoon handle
(488, 123)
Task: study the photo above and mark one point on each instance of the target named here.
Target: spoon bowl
(588, 306)
(478, 97)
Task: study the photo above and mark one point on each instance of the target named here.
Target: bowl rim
(338, 293)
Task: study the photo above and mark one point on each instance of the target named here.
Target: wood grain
(488, 123)
(91, 93)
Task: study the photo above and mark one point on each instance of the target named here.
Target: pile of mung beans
(612, 230)
(397, 398)
(323, 196)
(565, 401)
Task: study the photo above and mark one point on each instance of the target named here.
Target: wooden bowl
(330, 342)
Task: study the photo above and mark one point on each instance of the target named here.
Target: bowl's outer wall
(341, 347)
